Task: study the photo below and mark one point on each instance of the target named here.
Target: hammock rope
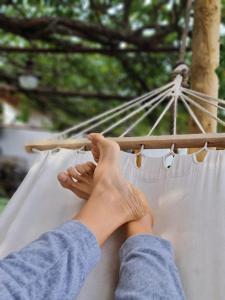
(158, 100)
(143, 116)
(174, 92)
(203, 109)
(196, 94)
(192, 114)
(110, 111)
(161, 116)
(207, 101)
(119, 113)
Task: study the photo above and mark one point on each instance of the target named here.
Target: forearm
(52, 267)
(148, 270)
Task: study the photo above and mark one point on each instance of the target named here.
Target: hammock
(188, 204)
(187, 198)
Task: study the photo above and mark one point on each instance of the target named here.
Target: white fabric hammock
(187, 200)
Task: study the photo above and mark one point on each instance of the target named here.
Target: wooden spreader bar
(128, 143)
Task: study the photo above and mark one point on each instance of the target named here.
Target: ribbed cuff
(147, 241)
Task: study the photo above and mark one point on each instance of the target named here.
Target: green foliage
(3, 202)
(123, 74)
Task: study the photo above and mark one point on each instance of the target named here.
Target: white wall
(13, 139)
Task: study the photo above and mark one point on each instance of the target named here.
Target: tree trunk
(205, 58)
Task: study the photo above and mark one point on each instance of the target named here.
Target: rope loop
(172, 149)
(141, 150)
(203, 149)
(182, 69)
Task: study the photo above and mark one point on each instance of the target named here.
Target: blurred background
(65, 61)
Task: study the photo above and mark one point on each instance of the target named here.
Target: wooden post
(205, 58)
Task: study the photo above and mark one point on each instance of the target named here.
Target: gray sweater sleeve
(52, 267)
(56, 265)
(147, 270)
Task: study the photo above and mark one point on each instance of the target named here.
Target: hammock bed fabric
(187, 200)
